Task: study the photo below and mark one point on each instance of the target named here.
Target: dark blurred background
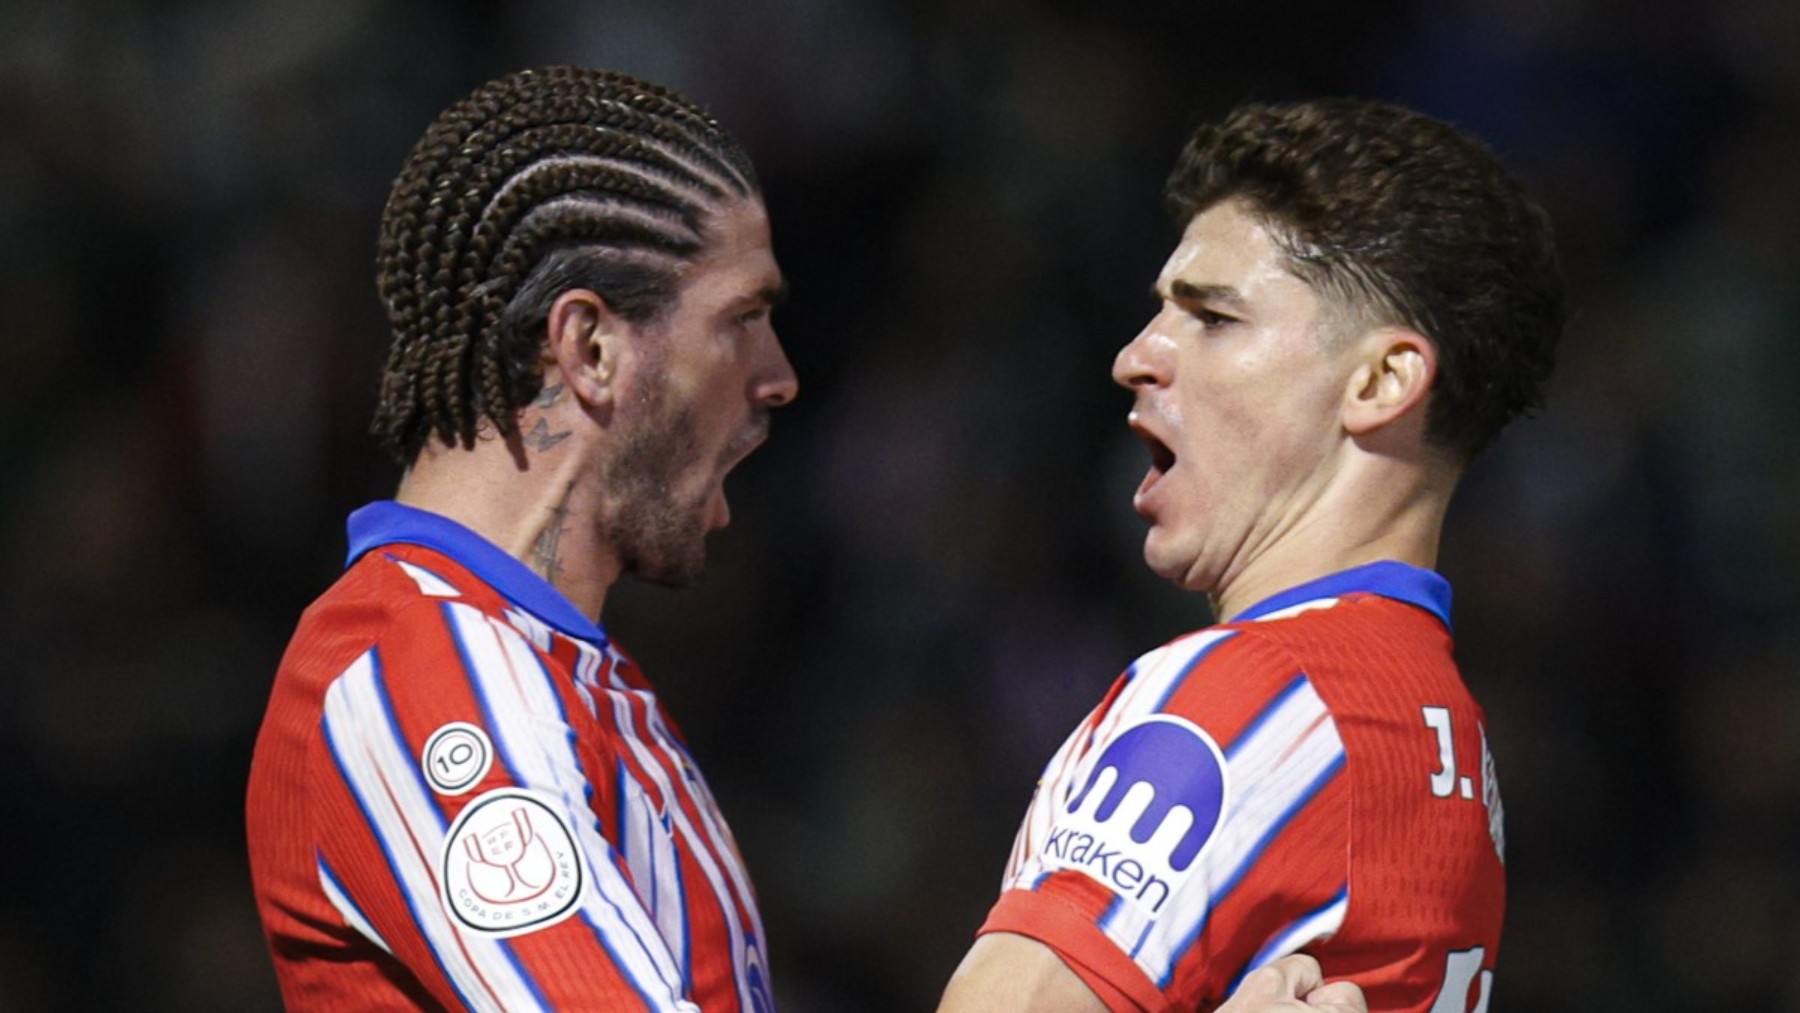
(934, 569)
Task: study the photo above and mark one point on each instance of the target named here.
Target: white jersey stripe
(353, 916)
(1278, 823)
(1198, 647)
(359, 731)
(1252, 734)
(723, 844)
(1294, 610)
(430, 584)
(1052, 790)
(492, 960)
(532, 678)
(1148, 683)
(1320, 924)
(618, 961)
(704, 850)
(519, 696)
(1280, 763)
(648, 849)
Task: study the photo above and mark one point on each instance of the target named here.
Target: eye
(752, 317)
(1211, 318)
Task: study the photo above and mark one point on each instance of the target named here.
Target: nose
(777, 385)
(1137, 364)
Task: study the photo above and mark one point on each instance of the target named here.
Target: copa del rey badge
(510, 864)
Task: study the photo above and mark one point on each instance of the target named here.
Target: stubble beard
(659, 538)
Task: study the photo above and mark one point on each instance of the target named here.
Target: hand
(1291, 985)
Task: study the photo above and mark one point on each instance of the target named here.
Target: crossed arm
(1009, 973)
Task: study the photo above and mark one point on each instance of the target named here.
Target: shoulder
(1349, 621)
(1369, 655)
(1220, 677)
(399, 584)
(413, 619)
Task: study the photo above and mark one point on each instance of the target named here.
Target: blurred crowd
(933, 569)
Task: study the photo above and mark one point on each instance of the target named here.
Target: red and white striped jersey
(1313, 775)
(464, 796)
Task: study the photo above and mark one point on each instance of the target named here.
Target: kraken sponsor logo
(1149, 805)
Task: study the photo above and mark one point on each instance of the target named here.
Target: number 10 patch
(457, 757)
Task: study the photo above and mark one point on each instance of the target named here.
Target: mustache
(747, 439)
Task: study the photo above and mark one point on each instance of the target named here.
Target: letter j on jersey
(1150, 803)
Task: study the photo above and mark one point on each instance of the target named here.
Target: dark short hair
(1401, 219)
(539, 182)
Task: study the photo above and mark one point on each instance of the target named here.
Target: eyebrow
(1188, 292)
(769, 297)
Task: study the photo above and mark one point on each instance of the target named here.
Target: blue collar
(385, 522)
(1389, 579)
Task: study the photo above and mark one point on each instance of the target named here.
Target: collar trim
(385, 522)
(1387, 578)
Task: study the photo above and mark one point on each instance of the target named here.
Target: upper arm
(1004, 972)
(481, 864)
(1200, 830)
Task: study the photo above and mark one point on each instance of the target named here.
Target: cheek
(726, 376)
(1216, 417)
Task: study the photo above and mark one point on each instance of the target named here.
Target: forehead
(739, 255)
(1228, 246)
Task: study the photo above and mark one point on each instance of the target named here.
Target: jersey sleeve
(1195, 827)
(462, 826)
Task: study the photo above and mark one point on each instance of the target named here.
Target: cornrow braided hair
(539, 182)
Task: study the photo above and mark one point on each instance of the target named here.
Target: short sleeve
(1194, 827)
(456, 827)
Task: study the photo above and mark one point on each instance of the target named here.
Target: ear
(585, 340)
(1395, 369)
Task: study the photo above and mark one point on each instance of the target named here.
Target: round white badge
(457, 757)
(510, 864)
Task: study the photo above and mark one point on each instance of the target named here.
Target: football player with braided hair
(465, 795)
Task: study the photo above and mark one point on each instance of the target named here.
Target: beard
(660, 536)
(657, 536)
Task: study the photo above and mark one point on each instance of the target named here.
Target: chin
(670, 576)
(1184, 570)
(683, 568)
(671, 565)
(1163, 560)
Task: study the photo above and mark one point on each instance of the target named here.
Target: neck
(1374, 508)
(537, 505)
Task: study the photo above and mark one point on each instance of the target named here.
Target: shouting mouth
(1162, 460)
(742, 446)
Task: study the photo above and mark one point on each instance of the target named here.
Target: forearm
(1008, 973)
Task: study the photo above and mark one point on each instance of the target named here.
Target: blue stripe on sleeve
(1283, 942)
(392, 722)
(1237, 876)
(387, 854)
(477, 682)
(1188, 669)
(1268, 712)
(1112, 909)
(471, 675)
(687, 927)
(337, 884)
(613, 955)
